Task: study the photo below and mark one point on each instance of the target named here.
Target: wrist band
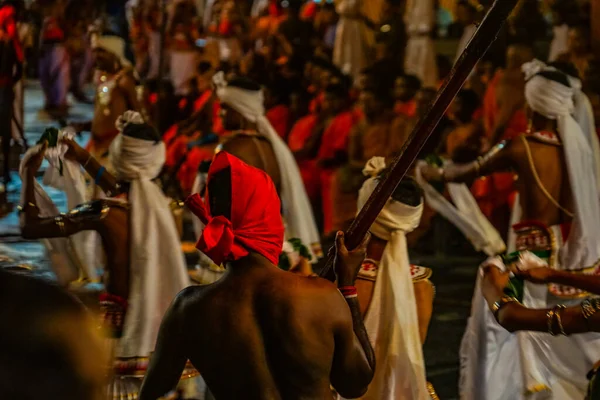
(99, 175)
(559, 309)
(348, 291)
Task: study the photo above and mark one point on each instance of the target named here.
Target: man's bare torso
(270, 329)
(549, 162)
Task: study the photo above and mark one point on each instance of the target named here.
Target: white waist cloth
(498, 365)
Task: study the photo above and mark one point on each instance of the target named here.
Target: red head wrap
(9, 26)
(255, 224)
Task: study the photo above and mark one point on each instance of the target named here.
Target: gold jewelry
(589, 307)
(26, 206)
(60, 222)
(550, 317)
(478, 166)
(559, 309)
(498, 305)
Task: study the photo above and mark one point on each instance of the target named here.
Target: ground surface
(453, 277)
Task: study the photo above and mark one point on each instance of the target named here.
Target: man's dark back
(273, 331)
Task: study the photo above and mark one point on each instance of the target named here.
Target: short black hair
(142, 131)
(567, 67)
(220, 193)
(204, 67)
(412, 81)
(243, 83)
(555, 76)
(337, 89)
(407, 192)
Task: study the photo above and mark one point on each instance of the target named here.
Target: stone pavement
(454, 278)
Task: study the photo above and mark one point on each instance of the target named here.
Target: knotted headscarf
(554, 100)
(297, 211)
(255, 223)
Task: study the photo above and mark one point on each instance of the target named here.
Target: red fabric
(309, 11)
(279, 117)
(170, 135)
(225, 28)
(178, 148)
(490, 103)
(188, 171)
(315, 104)
(309, 170)
(336, 136)
(8, 25)
(255, 224)
(52, 30)
(408, 109)
(201, 101)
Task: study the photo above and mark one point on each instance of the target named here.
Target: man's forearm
(360, 330)
(101, 177)
(589, 283)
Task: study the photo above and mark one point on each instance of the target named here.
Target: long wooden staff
(481, 41)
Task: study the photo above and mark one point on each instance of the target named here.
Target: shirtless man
(549, 161)
(115, 94)
(289, 341)
(138, 289)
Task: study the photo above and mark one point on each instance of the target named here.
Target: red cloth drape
(255, 223)
(9, 26)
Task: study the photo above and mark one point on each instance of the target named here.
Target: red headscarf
(255, 224)
(8, 25)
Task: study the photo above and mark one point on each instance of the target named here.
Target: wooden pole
(595, 20)
(481, 41)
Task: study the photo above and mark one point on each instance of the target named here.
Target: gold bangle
(26, 206)
(550, 317)
(559, 309)
(478, 167)
(60, 222)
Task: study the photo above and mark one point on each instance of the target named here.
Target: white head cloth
(297, 211)
(158, 269)
(391, 321)
(112, 44)
(554, 100)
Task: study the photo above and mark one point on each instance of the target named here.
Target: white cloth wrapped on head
(391, 320)
(554, 100)
(157, 264)
(112, 44)
(297, 211)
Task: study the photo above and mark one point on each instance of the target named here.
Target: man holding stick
(274, 333)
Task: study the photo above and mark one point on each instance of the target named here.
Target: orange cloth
(178, 149)
(189, 169)
(335, 140)
(408, 109)
(309, 171)
(279, 117)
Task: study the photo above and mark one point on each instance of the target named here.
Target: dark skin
(276, 334)
(515, 317)
(253, 151)
(113, 228)
(549, 163)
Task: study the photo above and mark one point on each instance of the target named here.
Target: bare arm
(107, 182)
(354, 359)
(499, 158)
(515, 317)
(544, 275)
(128, 86)
(35, 227)
(168, 360)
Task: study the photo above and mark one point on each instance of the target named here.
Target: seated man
(260, 332)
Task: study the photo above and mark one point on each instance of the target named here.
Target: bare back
(271, 330)
(256, 151)
(548, 163)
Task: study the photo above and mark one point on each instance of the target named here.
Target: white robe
(349, 51)
(391, 320)
(420, 59)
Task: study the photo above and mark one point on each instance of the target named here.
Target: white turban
(554, 100)
(391, 321)
(297, 211)
(112, 44)
(158, 269)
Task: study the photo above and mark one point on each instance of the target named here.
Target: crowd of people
(276, 120)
